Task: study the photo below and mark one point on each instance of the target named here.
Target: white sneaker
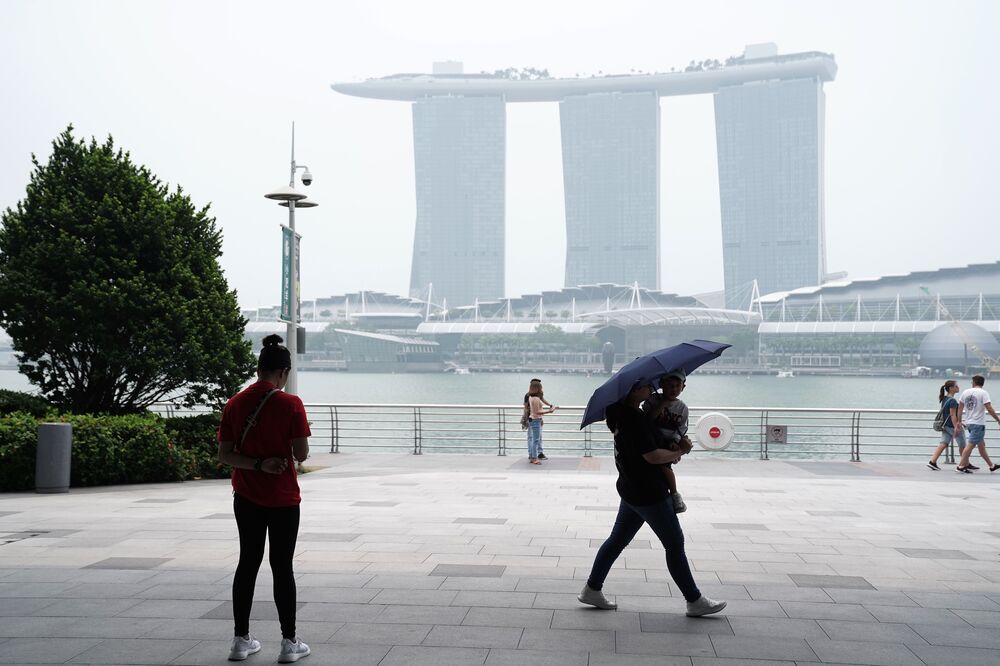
(243, 647)
(704, 606)
(595, 598)
(292, 650)
(679, 505)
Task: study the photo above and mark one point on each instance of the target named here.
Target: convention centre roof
(652, 316)
(500, 327)
(860, 327)
(981, 278)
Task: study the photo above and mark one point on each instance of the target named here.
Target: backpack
(939, 421)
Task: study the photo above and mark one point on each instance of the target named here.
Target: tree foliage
(111, 290)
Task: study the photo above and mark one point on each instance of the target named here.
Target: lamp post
(292, 199)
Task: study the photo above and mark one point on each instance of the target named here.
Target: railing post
(763, 435)
(334, 430)
(417, 435)
(856, 437)
(501, 433)
(587, 443)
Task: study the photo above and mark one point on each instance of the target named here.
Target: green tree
(111, 289)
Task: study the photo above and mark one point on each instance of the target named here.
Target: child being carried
(669, 415)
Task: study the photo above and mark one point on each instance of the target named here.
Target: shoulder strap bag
(252, 420)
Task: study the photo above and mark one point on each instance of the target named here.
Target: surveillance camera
(307, 178)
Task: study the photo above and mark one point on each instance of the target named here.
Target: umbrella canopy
(686, 356)
(689, 356)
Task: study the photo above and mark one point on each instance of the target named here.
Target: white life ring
(714, 431)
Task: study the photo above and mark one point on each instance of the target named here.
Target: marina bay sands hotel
(769, 120)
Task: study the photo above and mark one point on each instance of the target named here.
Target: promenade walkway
(476, 559)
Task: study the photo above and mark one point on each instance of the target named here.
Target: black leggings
(256, 522)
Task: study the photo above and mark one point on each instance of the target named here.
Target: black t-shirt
(639, 483)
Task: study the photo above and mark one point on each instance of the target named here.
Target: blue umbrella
(689, 356)
(686, 356)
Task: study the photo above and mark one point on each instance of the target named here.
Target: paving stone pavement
(477, 559)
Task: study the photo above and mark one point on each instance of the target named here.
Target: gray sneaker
(704, 606)
(679, 505)
(243, 647)
(595, 598)
(292, 650)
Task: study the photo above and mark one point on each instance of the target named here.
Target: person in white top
(973, 405)
(537, 407)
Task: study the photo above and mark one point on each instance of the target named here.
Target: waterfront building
(611, 183)
(770, 124)
(882, 322)
(365, 351)
(769, 138)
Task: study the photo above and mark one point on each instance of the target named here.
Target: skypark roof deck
(412, 87)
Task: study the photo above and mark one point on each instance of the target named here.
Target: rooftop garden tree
(111, 289)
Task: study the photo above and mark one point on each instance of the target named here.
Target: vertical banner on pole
(298, 280)
(286, 274)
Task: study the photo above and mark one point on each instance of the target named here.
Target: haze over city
(206, 99)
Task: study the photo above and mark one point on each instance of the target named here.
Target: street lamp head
(285, 193)
(301, 203)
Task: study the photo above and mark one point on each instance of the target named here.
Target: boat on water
(782, 374)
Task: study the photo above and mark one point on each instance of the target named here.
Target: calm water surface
(702, 391)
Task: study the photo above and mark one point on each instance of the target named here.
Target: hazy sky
(204, 93)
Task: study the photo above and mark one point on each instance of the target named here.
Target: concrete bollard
(52, 461)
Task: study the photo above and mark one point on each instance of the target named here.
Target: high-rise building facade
(769, 137)
(611, 184)
(769, 128)
(459, 149)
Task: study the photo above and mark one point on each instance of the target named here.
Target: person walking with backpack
(974, 403)
(263, 432)
(951, 428)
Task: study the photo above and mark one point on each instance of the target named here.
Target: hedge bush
(18, 440)
(106, 450)
(17, 401)
(196, 437)
(132, 448)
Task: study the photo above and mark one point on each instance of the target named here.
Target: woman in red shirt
(263, 432)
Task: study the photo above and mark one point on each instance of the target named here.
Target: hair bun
(272, 340)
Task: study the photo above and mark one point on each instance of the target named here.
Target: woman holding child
(640, 454)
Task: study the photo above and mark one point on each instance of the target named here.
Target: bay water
(509, 389)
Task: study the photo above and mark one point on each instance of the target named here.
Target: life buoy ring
(714, 431)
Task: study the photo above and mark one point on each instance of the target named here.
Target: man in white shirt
(973, 405)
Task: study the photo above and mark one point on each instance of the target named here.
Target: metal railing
(810, 433)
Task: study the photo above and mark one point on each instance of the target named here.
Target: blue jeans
(534, 438)
(663, 520)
